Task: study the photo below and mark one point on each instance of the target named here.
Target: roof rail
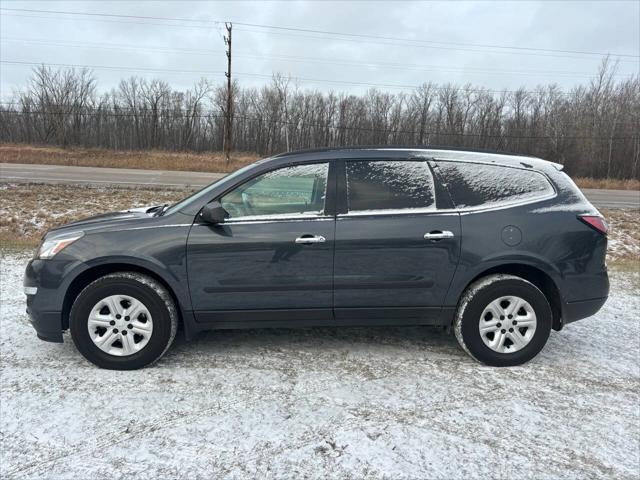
(390, 147)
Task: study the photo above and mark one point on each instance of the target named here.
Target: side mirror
(213, 213)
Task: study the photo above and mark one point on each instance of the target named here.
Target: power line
(126, 111)
(28, 102)
(352, 36)
(116, 46)
(478, 45)
(262, 75)
(323, 126)
(405, 44)
(303, 59)
(316, 37)
(110, 67)
(97, 112)
(92, 14)
(102, 20)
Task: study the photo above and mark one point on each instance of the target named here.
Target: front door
(395, 252)
(273, 255)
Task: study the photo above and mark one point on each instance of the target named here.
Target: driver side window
(288, 191)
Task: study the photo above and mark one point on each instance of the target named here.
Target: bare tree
(594, 129)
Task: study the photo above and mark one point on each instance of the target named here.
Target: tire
(140, 339)
(486, 303)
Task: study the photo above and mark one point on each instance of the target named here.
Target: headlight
(50, 247)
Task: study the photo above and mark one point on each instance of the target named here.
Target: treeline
(594, 130)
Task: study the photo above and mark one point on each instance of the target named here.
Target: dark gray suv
(499, 248)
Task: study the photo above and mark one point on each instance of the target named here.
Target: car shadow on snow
(318, 340)
(377, 344)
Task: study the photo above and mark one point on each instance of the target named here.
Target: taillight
(595, 222)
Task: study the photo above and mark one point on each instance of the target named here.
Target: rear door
(395, 252)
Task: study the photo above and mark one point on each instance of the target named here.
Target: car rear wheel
(503, 320)
(123, 321)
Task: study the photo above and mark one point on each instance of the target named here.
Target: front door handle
(309, 239)
(438, 235)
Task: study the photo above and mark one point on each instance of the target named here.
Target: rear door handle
(438, 235)
(309, 239)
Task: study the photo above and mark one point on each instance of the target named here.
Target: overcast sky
(195, 48)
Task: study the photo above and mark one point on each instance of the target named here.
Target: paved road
(613, 198)
(20, 173)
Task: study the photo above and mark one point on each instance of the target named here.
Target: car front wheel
(123, 321)
(503, 320)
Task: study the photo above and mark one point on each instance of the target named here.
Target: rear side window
(476, 184)
(389, 185)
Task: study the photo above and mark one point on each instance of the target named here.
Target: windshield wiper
(160, 210)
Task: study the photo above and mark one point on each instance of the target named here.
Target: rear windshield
(479, 184)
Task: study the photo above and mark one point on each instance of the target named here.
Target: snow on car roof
(438, 153)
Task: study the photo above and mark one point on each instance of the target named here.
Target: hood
(107, 220)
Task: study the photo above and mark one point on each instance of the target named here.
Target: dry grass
(28, 211)
(624, 235)
(146, 160)
(607, 183)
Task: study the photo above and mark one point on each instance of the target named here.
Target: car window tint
(389, 185)
(474, 184)
(289, 191)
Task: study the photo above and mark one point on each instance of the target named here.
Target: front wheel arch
(93, 273)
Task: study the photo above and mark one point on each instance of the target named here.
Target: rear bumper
(586, 292)
(573, 311)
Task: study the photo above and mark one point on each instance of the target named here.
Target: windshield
(205, 191)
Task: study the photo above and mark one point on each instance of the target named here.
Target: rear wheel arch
(93, 273)
(534, 275)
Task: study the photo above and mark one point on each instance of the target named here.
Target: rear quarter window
(478, 184)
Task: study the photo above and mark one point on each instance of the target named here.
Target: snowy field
(324, 403)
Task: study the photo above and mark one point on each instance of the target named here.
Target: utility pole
(227, 118)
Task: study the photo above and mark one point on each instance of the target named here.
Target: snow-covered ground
(324, 403)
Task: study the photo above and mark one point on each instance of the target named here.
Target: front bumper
(42, 287)
(48, 325)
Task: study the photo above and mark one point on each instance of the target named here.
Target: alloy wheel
(120, 325)
(507, 324)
